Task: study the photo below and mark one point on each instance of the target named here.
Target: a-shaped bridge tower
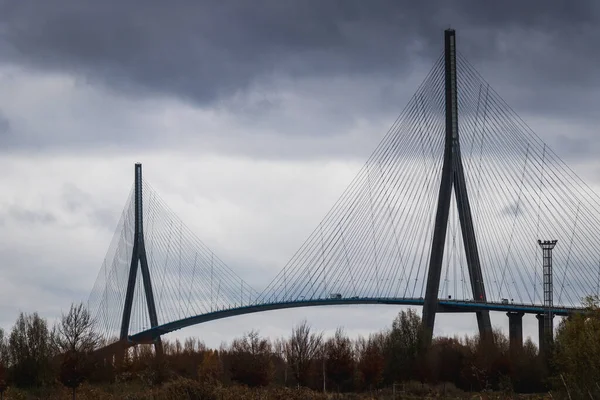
(453, 175)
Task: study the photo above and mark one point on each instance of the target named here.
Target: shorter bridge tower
(139, 259)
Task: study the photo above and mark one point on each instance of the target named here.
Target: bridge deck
(444, 306)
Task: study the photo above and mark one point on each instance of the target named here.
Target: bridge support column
(515, 332)
(546, 332)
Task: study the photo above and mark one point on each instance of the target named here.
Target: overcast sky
(250, 118)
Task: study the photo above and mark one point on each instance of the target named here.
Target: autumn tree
(250, 360)
(3, 381)
(577, 349)
(3, 363)
(487, 365)
(528, 369)
(210, 369)
(71, 374)
(371, 360)
(445, 360)
(75, 332)
(280, 361)
(30, 351)
(500, 365)
(302, 348)
(184, 359)
(75, 339)
(4, 352)
(402, 347)
(339, 361)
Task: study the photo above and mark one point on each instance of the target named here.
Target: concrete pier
(515, 331)
(546, 331)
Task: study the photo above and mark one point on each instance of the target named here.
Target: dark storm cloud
(205, 50)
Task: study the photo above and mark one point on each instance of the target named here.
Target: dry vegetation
(182, 388)
(41, 363)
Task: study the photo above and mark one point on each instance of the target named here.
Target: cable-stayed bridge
(456, 210)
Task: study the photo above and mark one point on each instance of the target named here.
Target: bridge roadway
(444, 306)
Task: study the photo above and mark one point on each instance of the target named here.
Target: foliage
(30, 351)
(74, 339)
(3, 378)
(402, 347)
(4, 348)
(528, 370)
(301, 351)
(4, 359)
(250, 360)
(32, 359)
(182, 388)
(184, 358)
(210, 370)
(339, 361)
(371, 361)
(71, 370)
(577, 351)
(445, 360)
(75, 332)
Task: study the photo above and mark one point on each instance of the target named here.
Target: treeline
(34, 355)
(339, 364)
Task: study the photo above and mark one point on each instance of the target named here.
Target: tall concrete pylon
(139, 259)
(453, 176)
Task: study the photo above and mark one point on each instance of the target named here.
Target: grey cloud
(4, 124)
(199, 50)
(23, 215)
(36, 283)
(206, 50)
(232, 56)
(75, 200)
(578, 145)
